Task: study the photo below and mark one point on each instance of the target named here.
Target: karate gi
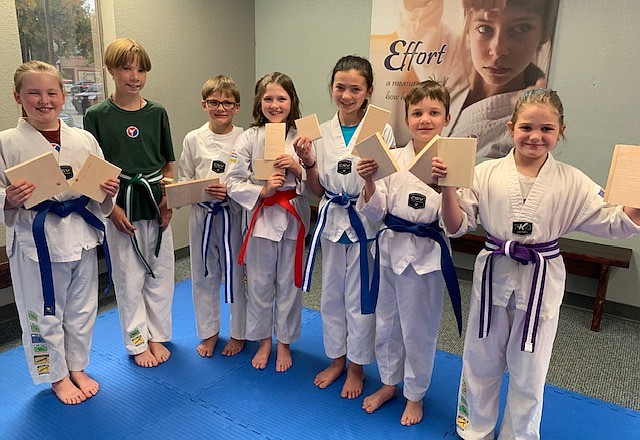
(345, 330)
(139, 142)
(411, 284)
(562, 199)
(273, 300)
(59, 343)
(205, 154)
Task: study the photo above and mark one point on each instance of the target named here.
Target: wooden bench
(582, 258)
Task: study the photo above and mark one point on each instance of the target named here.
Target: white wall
(595, 59)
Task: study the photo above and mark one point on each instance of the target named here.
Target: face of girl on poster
(502, 43)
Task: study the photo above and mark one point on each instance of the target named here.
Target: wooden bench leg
(601, 295)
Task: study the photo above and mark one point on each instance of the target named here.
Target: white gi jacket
(199, 160)
(562, 199)
(337, 173)
(68, 236)
(395, 194)
(273, 222)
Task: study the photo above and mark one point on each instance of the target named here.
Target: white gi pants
(483, 364)
(271, 292)
(144, 303)
(206, 291)
(407, 322)
(56, 344)
(345, 330)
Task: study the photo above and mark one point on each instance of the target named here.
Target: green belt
(144, 182)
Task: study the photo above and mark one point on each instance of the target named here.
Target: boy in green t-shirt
(134, 135)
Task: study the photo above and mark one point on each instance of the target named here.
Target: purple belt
(538, 254)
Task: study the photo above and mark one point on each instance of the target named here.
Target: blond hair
(222, 84)
(35, 66)
(125, 50)
(540, 96)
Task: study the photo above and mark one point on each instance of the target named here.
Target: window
(66, 34)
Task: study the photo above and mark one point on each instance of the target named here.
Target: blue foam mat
(221, 397)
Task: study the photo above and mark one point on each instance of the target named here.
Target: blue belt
(144, 181)
(61, 209)
(433, 231)
(345, 200)
(213, 209)
(538, 254)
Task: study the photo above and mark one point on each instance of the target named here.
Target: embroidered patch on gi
(41, 359)
(344, 167)
(133, 131)
(233, 158)
(601, 193)
(218, 166)
(43, 369)
(40, 348)
(33, 316)
(522, 228)
(136, 337)
(67, 171)
(462, 419)
(417, 201)
(37, 339)
(35, 328)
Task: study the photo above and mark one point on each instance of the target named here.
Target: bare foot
(283, 357)
(159, 351)
(327, 376)
(377, 399)
(412, 414)
(353, 385)
(67, 392)
(87, 385)
(261, 357)
(205, 349)
(146, 359)
(233, 347)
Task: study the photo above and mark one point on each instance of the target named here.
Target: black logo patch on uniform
(67, 171)
(417, 201)
(344, 167)
(522, 228)
(218, 166)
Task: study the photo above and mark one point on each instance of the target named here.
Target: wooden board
(376, 148)
(275, 135)
(374, 121)
(623, 184)
(308, 126)
(263, 168)
(421, 165)
(44, 172)
(459, 154)
(94, 172)
(190, 192)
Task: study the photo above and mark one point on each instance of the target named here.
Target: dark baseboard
(580, 301)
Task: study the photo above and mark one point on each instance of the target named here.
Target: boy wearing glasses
(134, 135)
(215, 234)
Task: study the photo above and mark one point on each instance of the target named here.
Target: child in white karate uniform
(215, 227)
(412, 255)
(56, 314)
(343, 233)
(278, 216)
(525, 201)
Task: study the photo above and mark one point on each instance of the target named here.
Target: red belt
(281, 198)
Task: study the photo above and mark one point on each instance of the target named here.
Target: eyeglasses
(227, 105)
